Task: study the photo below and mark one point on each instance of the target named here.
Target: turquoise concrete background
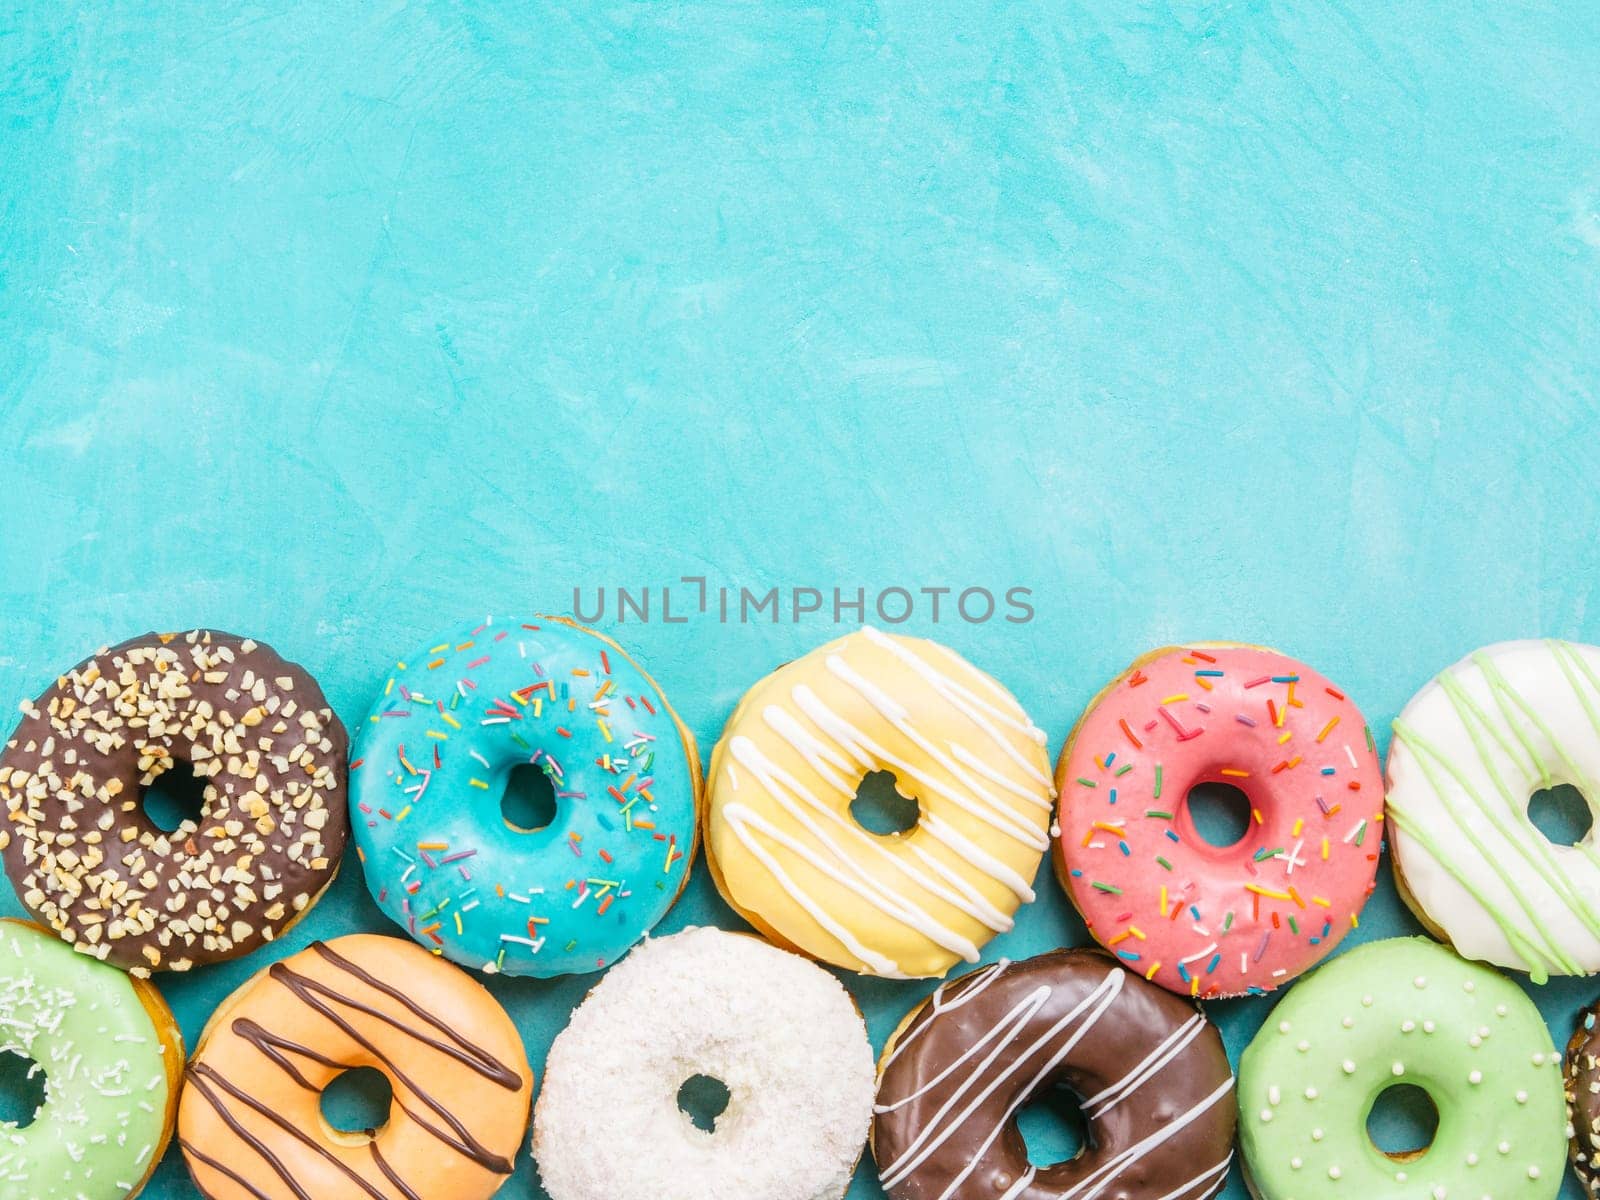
(333, 324)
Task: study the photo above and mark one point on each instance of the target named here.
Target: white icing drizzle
(1115, 1166)
(1200, 1181)
(786, 790)
(784, 812)
(942, 831)
(945, 1122)
(968, 703)
(876, 963)
(839, 866)
(967, 759)
(1009, 821)
(971, 987)
(974, 1067)
(1175, 1044)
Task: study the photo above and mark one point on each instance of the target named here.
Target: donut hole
(1561, 813)
(22, 1091)
(529, 801)
(1052, 1126)
(174, 798)
(703, 1099)
(357, 1103)
(881, 808)
(1219, 812)
(1402, 1122)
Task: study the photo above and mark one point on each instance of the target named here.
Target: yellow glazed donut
(786, 853)
(250, 1120)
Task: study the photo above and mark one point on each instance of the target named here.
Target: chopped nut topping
(274, 812)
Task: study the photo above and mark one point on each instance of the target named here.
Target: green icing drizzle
(1507, 728)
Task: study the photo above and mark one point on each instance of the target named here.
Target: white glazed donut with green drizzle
(1469, 751)
(111, 1055)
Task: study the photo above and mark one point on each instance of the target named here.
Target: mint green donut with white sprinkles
(1403, 1011)
(434, 758)
(111, 1056)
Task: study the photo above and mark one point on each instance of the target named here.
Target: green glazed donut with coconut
(111, 1056)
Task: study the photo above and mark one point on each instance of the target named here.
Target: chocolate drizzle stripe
(389, 1173)
(288, 1056)
(203, 1075)
(473, 1056)
(466, 1144)
(228, 1173)
(263, 1151)
(274, 1046)
(311, 993)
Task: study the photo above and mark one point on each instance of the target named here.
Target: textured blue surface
(334, 324)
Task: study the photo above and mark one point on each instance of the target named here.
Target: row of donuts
(784, 1037)
(787, 854)
(455, 721)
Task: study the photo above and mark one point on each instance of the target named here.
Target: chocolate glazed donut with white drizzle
(1149, 1069)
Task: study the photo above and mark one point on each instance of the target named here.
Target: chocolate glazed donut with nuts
(88, 861)
(1148, 1068)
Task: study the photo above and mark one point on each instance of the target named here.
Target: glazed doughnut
(1469, 750)
(111, 1055)
(1150, 1069)
(250, 1122)
(89, 863)
(788, 856)
(433, 760)
(1404, 1010)
(781, 1034)
(1194, 917)
(1583, 1099)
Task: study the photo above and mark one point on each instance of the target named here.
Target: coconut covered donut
(250, 1122)
(1150, 1069)
(89, 863)
(1469, 751)
(787, 854)
(779, 1032)
(111, 1055)
(1212, 920)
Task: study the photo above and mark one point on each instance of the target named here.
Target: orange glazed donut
(250, 1121)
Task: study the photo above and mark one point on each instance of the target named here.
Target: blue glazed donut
(431, 764)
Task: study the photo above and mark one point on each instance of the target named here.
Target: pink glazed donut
(1200, 919)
